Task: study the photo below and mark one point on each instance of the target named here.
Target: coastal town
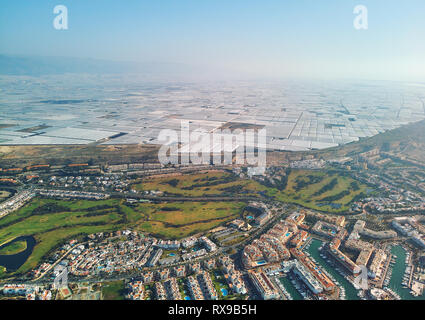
(273, 250)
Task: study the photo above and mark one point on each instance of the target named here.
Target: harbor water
(399, 268)
(313, 250)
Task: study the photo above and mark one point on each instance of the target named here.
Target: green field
(211, 183)
(51, 222)
(113, 290)
(4, 194)
(180, 219)
(14, 248)
(329, 191)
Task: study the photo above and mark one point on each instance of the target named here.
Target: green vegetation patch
(2, 270)
(4, 194)
(211, 183)
(180, 219)
(113, 290)
(327, 190)
(14, 248)
(51, 222)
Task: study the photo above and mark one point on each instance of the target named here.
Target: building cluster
(193, 254)
(123, 251)
(106, 256)
(132, 167)
(160, 293)
(233, 277)
(260, 211)
(339, 221)
(189, 242)
(287, 233)
(344, 260)
(325, 229)
(172, 289)
(304, 274)
(311, 269)
(153, 168)
(393, 205)
(209, 247)
(136, 290)
(291, 233)
(271, 246)
(15, 202)
(195, 288)
(410, 227)
(72, 194)
(264, 285)
(360, 228)
(207, 244)
(110, 182)
(308, 164)
(199, 282)
(399, 200)
(374, 259)
(207, 286)
(30, 292)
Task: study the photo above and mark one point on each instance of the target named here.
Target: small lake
(14, 261)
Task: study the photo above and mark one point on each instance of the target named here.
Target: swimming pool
(224, 292)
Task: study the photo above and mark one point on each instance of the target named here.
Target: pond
(14, 261)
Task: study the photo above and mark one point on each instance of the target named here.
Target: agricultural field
(211, 183)
(329, 191)
(51, 221)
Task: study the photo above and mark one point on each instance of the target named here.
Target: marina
(401, 274)
(347, 289)
(290, 287)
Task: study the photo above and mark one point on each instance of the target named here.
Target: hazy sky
(278, 38)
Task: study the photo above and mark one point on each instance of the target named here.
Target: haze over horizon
(272, 39)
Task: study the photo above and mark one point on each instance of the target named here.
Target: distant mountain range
(36, 66)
